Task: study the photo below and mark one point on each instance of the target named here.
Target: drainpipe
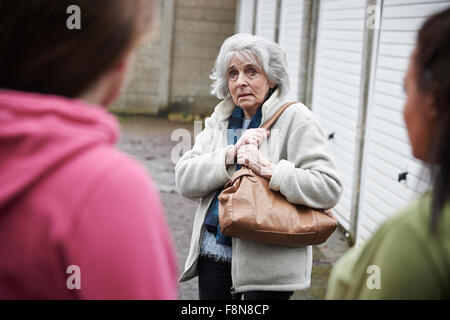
(368, 59)
(312, 9)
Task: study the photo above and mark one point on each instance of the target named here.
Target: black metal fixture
(402, 176)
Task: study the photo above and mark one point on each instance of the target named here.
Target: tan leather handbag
(250, 210)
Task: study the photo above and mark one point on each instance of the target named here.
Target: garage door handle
(402, 176)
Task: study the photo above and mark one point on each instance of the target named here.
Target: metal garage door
(291, 33)
(336, 91)
(246, 15)
(266, 19)
(387, 150)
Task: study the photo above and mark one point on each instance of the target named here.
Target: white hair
(259, 51)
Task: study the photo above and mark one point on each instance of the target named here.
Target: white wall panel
(266, 19)
(387, 150)
(336, 90)
(291, 35)
(246, 16)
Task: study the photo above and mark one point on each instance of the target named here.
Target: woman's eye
(252, 71)
(233, 74)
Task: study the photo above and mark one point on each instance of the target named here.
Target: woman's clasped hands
(246, 152)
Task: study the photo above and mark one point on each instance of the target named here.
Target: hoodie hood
(40, 132)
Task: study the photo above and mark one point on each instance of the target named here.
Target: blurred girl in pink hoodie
(78, 219)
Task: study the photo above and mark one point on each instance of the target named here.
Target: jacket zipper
(202, 231)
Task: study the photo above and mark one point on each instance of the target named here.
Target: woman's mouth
(244, 95)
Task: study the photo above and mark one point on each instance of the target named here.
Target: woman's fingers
(254, 136)
(248, 155)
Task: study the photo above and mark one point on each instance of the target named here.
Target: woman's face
(419, 114)
(247, 83)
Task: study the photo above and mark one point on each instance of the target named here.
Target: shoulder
(298, 121)
(414, 217)
(104, 171)
(298, 114)
(119, 191)
(122, 170)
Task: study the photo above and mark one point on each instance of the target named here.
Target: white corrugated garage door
(266, 19)
(291, 33)
(387, 150)
(336, 91)
(246, 15)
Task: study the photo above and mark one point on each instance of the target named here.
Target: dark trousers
(214, 283)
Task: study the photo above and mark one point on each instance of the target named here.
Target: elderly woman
(250, 76)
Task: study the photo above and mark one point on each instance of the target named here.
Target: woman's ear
(432, 111)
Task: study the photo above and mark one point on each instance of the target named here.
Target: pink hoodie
(69, 198)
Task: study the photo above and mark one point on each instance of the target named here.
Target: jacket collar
(225, 108)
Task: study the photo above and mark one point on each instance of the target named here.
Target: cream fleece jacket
(305, 174)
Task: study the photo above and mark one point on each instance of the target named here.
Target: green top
(403, 260)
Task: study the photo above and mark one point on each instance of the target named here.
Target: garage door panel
(352, 36)
(339, 45)
(331, 14)
(347, 104)
(338, 86)
(411, 24)
(336, 89)
(414, 167)
(397, 37)
(354, 25)
(393, 76)
(333, 64)
(341, 76)
(387, 150)
(391, 89)
(246, 16)
(290, 39)
(393, 63)
(413, 9)
(343, 4)
(389, 101)
(266, 19)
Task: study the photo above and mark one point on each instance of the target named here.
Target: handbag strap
(269, 123)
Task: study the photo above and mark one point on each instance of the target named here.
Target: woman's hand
(252, 136)
(249, 155)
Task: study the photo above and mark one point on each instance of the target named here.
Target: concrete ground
(149, 141)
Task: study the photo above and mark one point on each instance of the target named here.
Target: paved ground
(149, 140)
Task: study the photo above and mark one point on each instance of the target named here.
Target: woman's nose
(242, 80)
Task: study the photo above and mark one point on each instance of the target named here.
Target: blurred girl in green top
(409, 256)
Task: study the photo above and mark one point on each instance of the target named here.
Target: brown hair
(433, 77)
(38, 52)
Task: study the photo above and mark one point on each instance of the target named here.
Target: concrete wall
(201, 26)
(141, 94)
(171, 72)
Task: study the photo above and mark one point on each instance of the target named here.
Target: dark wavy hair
(433, 76)
(38, 53)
